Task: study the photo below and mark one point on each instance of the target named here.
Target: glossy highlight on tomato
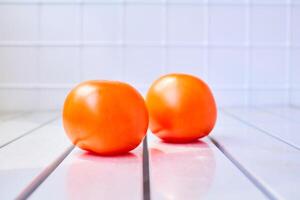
(181, 108)
(105, 117)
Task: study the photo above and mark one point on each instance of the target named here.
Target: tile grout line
(248, 52)
(259, 129)
(29, 131)
(294, 106)
(288, 49)
(81, 48)
(165, 38)
(123, 47)
(146, 172)
(39, 51)
(206, 45)
(62, 2)
(95, 43)
(39, 179)
(256, 182)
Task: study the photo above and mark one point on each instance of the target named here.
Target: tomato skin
(105, 117)
(181, 108)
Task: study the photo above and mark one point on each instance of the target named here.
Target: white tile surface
(195, 171)
(18, 65)
(143, 23)
(271, 2)
(58, 1)
(231, 32)
(27, 99)
(257, 153)
(57, 62)
(268, 97)
(230, 97)
(268, 68)
(295, 97)
(295, 28)
(230, 2)
(11, 130)
(53, 98)
(186, 24)
(102, 63)
(295, 68)
(189, 37)
(55, 18)
(143, 65)
(102, 1)
(227, 67)
(144, 1)
(278, 127)
(16, 19)
(186, 1)
(84, 175)
(27, 158)
(102, 23)
(262, 26)
(186, 60)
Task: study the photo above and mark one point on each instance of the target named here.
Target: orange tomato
(181, 108)
(105, 117)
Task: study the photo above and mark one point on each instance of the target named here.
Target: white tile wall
(18, 65)
(102, 23)
(60, 23)
(227, 25)
(102, 63)
(227, 67)
(295, 33)
(187, 60)
(143, 23)
(295, 67)
(56, 63)
(247, 50)
(295, 76)
(186, 24)
(268, 68)
(295, 53)
(268, 25)
(18, 23)
(142, 65)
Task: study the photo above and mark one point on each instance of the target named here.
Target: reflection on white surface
(181, 171)
(96, 177)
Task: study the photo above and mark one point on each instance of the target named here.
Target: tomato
(105, 117)
(181, 108)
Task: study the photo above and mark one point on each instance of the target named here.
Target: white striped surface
(195, 171)
(252, 160)
(281, 128)
(23, 160)
(9, 130)
(273, 163)
(84, 175)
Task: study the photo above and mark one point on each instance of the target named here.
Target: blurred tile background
(248, 51)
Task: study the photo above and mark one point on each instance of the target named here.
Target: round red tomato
(181, 108)
(105, 117)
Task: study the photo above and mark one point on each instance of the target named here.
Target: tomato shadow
(105, 177)
(181, 171)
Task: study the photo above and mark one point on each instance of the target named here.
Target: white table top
(251, 154)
